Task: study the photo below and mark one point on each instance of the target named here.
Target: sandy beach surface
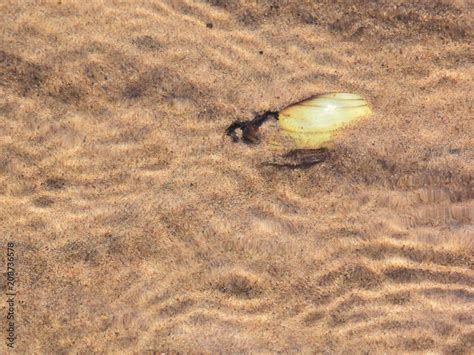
(139, 227)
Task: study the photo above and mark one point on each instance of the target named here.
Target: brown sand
(138, 226)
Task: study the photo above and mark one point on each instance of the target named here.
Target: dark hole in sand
(43, 201)
(54, 183)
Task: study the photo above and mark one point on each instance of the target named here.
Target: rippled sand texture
(140, 227)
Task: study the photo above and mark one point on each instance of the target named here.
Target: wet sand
(139, 226)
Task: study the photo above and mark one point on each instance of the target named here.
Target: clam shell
(313, 122)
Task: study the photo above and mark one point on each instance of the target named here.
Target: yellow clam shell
(313, 122)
